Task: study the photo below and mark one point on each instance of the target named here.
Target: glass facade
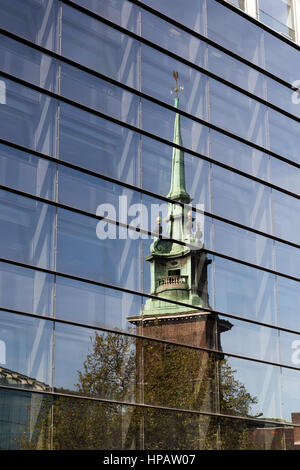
(149, 261)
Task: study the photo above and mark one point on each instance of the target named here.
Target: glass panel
(247, 339)
(96, 363)
(28, 64)
(286, 219)
(255, 435)
(81, 39)
(278, 15)
(160, 121)
(242, 244)
(240, 199)
(108, 365)
(290, 348)
(287, 260)
(25, 420)
(105, 426)
(288, 302)
(26, 290)
(36, 20)
(284, 175)
(120, 12)
(157, 81)
(93, 425)
(284, 136)
(116, 202)
(98, 145)
(112, 366)
(99, 95)
(281, 58)
(87, 192)
(26, 358)
(27, 230)
(87, 425)
(96, 305)
(28, 118)
(237, 113)
(239, 155)
(157, 169)
(191, 15)
(82, 253)
(173, 38)
(234, 32)
(256, 387)
(291, 396)
(27, 172)
(245, 291)
(236, 72)
(283, 97)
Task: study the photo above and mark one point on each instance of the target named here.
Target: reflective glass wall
(149, 255)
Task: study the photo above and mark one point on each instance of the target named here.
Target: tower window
(174, 272)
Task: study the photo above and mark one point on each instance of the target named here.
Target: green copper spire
(178, 189)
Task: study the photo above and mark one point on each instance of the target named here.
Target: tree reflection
(128, 369)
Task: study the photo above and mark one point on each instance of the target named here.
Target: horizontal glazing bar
(129, 126)
(205, 413)
(139, 230)
(117, 288)
(155, 339)
(222, 164)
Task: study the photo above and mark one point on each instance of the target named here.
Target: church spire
(178, 189)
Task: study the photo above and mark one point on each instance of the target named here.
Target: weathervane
(177, 88)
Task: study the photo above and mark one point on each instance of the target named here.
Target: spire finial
(177, 88)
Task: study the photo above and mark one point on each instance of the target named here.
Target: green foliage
(123, 368)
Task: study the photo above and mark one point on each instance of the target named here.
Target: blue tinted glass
(121, 12)
(250, 340)
(27, 230)
(284, 135)
(80, 301)
(243, 244)
(26, 351)
(99, 145)
(288, 303)
(173, 39)
(99, 95)
(83, 254)
(191, 14)
(28, 64)
(286, 220)
(235, 72)
(27, 172)
(283, 97)
(157, 81)
(28, 118)
(245, 291)
(287, 260)
(95, 45)
(281, 58)
(21, 419)
(26, 290)
(284, 175)
(237, 113)
(240, 199)
(34, 20)
(234, 32)
(239, 155)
